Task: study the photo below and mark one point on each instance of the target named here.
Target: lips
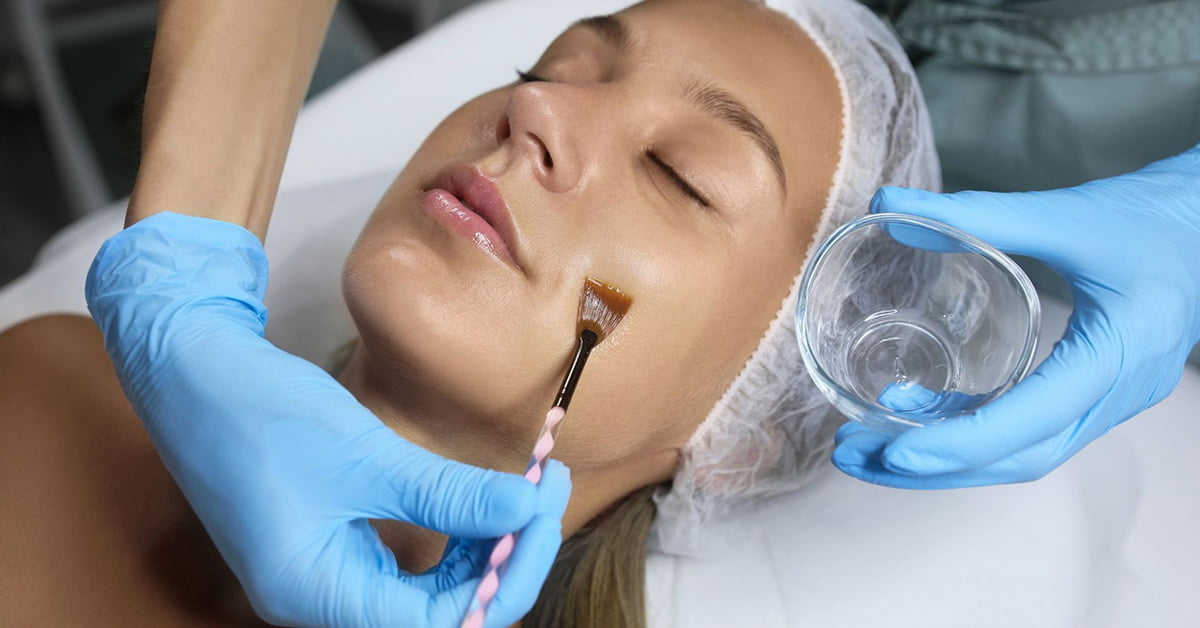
(469, 204)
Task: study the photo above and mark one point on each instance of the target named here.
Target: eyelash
(529, 77)
(677, 179)
(666, 168)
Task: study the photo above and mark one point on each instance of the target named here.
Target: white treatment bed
(1110, 539)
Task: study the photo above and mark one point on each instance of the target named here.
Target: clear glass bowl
(904, 321)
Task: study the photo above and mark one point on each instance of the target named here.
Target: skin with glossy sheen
(462, 352)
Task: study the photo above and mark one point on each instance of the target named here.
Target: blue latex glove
(1130, 248)
(910, 398)
(281, 463)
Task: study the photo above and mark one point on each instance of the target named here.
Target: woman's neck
(424, 424)
(446, 430)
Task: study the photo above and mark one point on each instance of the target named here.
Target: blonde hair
(599, 577)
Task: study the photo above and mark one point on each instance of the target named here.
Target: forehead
(767, 61)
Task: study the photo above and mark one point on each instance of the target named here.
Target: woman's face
(681, 150)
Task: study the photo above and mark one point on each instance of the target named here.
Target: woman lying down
(687, 151)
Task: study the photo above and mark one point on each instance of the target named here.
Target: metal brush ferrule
(583, 348)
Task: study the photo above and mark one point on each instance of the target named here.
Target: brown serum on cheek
(601, 308)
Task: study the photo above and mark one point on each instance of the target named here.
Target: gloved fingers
(462, 554)
(847, 430)
(899, 398)
(1021, 223)
(349, 579)
(904, 397)
(554, 491)
(461, 561)
(861, 456)
(449, 607)
(858, 455)
(537, 546)
(918, 237)
(387, 601)
(522, 576)
(411, 484)
(534, 554)
(1055, 396)
(439, 599)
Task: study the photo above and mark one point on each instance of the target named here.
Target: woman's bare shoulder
(91, 513)
(53, 362)
(48, 323)
(62, 411)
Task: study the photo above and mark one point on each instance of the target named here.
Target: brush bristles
(601, 308)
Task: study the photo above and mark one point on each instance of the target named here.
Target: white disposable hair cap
(772, 428)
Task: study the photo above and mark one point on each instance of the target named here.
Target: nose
(537, 119)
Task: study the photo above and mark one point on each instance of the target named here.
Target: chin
(452, 336)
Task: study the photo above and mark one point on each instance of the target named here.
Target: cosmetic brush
(601, 308)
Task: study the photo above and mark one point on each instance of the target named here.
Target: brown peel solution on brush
(601, 308)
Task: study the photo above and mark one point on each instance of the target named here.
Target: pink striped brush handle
(487, 588)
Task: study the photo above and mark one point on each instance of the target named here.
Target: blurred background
(72, 73)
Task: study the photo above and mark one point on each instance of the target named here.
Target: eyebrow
(714, 101)
(722, 105)
(610, 28)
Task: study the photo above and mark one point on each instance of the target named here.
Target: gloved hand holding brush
(281, 463)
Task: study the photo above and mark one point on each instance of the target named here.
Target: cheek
(442, 332)
(437, 316)
(427, 306)
(645, 385)
(701, 314)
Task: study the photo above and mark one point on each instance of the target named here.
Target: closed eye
(529, 77)
(677, 179)
(667, 169)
